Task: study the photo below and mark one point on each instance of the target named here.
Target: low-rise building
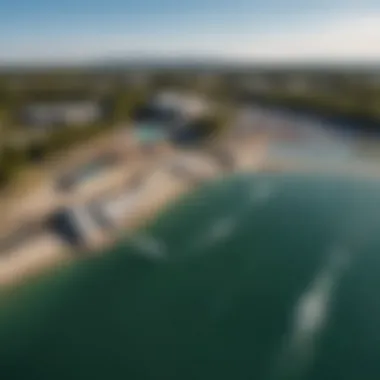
(72, 113)
(171, 106)
(170, 114)
(185, 105)
(76, 225)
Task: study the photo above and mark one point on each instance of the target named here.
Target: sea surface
(265, 277)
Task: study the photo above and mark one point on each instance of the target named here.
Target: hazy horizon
(276, 32)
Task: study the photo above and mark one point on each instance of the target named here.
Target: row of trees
(14, 157)
(344, 98)
(21, 146)
(353, 100)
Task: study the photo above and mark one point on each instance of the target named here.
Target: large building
(70, 113)
(171, 114)
(183, 105)
(175, 107)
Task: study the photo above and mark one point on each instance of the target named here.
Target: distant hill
(190, 63)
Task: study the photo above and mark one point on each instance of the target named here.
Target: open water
(259, 277)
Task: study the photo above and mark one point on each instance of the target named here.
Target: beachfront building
(180, 104)
(75, 225)
(67, 113)
(172, 115)
(175, 108)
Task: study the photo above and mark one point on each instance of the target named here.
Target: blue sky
(75, 30)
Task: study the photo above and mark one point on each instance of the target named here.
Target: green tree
(11, 161)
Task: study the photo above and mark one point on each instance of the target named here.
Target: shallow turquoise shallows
(150, 133)
(260, 277)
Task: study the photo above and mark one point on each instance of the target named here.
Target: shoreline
(46, 251)
(24, 270)
(161, 187)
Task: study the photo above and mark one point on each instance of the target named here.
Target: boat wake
(222, 228)
(309, 318)
(149, 246)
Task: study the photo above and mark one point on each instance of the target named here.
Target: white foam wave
(221, 229)
(150, 246)
(310, 315)
(225, 226)
(261, 192)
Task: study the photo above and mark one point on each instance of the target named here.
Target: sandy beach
(40, 253)
(160, 185)
(47, 250)
(160, 180)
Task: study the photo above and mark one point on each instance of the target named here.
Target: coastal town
(89, 196)
(189, 190)
(113, 182)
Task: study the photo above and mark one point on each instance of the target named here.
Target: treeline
(357, 105)
(25, 145)
(14, 157)
(345, 97)
(22, 145)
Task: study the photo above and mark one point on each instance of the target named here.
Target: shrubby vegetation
(357, 104)
(347, 97)
(37, 146)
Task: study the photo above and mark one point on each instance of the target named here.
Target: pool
(152, 132)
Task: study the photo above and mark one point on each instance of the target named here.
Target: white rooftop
(185, 103)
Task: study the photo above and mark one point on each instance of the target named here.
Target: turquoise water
(150, 133)
(256, 277)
